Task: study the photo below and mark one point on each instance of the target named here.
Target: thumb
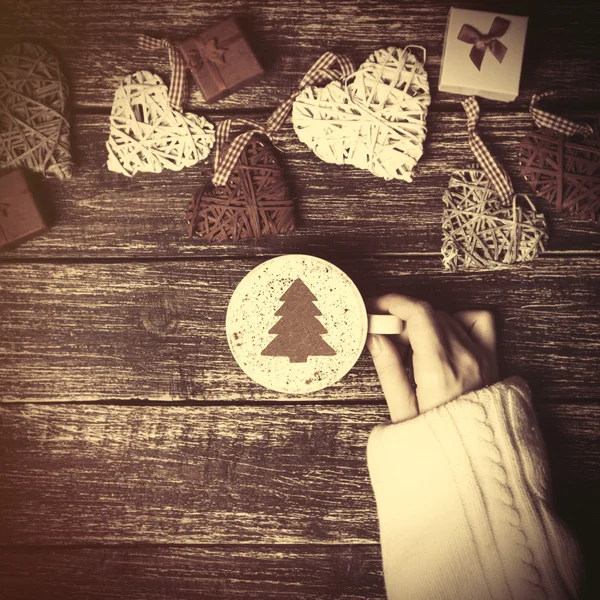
(397, 389)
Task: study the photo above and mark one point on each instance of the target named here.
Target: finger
(399, 393)
(457, 337)
(422, 329)
(479, 324)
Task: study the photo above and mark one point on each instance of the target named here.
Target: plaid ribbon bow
(318, 74)
(543, 118)
(484, 42)
(491, 168)
(178, 91)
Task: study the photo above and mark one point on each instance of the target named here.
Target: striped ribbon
(178, 91)
(548, 120)
(318, 74)
(491, 168)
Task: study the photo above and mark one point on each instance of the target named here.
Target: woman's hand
(452, 355)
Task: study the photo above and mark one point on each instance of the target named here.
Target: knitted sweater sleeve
(462, 497)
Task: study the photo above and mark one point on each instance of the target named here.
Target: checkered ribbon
(178, 91)
(543, 118)
(318, 74)
(490, 167)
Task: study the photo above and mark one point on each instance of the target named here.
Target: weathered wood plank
(291, 474)
(206, 573)
(97, 41)
(221, 474)
(263, 573)
(156, 330)
(104, 214)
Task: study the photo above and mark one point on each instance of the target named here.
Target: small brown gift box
(220, 60)
(20, 218)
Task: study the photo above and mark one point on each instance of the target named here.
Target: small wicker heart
(147, 135)
(255, 202)
(34, 130)
(374, 120)
(563, 170)
(479, 233)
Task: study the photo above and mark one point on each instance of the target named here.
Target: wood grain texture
(222, 474)
(193, 573)
(248, 493)
(155, 330)
(97, 41)
(206, 573)
(102, 214)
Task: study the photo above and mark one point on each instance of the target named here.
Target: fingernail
(374, 344)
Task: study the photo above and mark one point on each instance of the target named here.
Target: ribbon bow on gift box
(206, 52)
(489, 41)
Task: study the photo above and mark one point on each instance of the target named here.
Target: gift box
(220, 60)
(483, 54)
(20, 217)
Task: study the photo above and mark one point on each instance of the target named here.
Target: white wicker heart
(374, 120)
(34, 129)
(480, 232)
(147, 135)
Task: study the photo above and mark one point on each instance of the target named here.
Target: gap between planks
(548, 255)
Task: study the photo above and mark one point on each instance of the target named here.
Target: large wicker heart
(374, 120)
(479, 233)
(564, 171)
(256, 201)
(147, 135)
(34, 130)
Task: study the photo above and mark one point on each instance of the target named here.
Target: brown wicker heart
(563, 170)
(34, 130)
(480, 232)
(255, 203)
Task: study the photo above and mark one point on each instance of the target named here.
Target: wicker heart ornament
(486, 226)
(34, 130)
(479, 232)
(248, 197)
(255, 202)
(147, 135)
(562, 169)
(374, 119)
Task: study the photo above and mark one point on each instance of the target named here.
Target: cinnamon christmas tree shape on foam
(298, 331)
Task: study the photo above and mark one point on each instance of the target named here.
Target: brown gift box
(220, 60)
(20, 218)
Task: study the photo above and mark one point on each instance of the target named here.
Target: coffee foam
(251, 315)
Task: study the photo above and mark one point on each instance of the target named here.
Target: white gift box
(483, 54)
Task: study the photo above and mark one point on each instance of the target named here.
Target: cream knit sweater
(463, 502)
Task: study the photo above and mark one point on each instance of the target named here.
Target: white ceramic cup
(297, 324)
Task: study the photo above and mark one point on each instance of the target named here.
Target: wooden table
(137, 461)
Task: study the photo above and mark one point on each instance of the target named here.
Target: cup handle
(385, 324)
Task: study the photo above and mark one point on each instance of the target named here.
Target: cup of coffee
(297, 324)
